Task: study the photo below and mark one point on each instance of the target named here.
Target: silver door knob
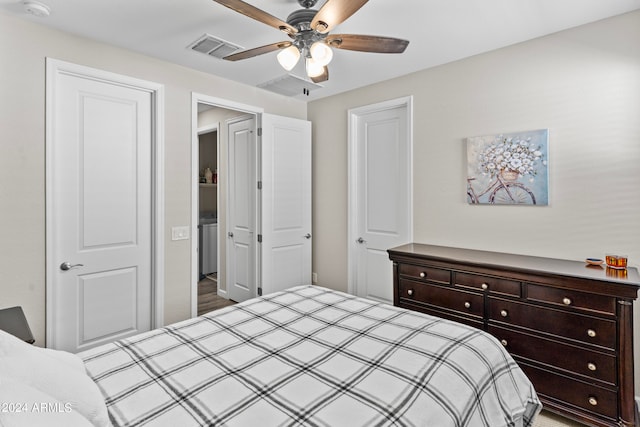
(230, 234)
(307, 236)
(360, 240)
(68, 266)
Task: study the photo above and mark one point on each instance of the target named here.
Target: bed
(310, 356)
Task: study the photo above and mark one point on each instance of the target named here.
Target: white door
(241, 219)
(380, 195)
(99, 209)
(286, 203)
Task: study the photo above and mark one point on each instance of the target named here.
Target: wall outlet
(314, 278)
(180, 233)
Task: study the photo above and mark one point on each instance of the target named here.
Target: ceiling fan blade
(250, 53)
(258, 14)
(322, 77)
(333, 13)
(362, 43)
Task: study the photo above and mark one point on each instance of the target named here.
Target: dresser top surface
(520, 262)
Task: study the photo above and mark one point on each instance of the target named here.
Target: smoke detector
(36, 8)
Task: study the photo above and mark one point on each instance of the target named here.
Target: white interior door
(99, 209)
(286, 203)
(380, 195)
(242, 212)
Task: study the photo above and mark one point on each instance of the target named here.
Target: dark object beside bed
(13, 321)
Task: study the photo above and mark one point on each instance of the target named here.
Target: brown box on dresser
(567, 324)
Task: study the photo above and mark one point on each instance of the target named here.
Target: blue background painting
(523, 153)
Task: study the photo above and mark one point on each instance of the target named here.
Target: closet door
(242, 212)
(285, 251)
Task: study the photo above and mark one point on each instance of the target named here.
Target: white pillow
(58, 374)
(25, 406)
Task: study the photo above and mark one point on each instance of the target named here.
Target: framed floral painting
(508, 169)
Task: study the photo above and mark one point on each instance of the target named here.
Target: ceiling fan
(309, 32)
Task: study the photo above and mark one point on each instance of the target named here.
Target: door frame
(353, 223)
(199, 98)
(54, 67)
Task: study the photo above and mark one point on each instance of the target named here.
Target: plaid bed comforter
(311, 356)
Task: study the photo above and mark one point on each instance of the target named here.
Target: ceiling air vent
(290, 85)
(213, 46)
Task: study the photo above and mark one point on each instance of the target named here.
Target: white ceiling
(439, 31)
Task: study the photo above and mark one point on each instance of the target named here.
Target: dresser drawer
(460, 301)
(598, 400)
(587, 329)
(430, 274)
(574, 299)
(476, 322)
(487, 283)
(588, 363)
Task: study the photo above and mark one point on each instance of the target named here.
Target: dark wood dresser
(568, 325)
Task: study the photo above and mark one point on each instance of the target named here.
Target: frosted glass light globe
(289, 57)
(321, 53)
(313, 68)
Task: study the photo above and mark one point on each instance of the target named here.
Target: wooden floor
(208, 298)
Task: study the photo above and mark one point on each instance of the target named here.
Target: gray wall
(582, 84)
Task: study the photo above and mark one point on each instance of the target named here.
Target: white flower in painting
(510, 154)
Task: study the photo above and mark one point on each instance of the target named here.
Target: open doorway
(210, 195)
(208, 242)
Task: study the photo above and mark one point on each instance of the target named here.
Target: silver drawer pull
(504, 313)
(484, 286)
(504, 343)
(566, 301)
(591, 333)
(410, 292)
(467, 304)
(423, 274)
(592, 366)
(593, 401)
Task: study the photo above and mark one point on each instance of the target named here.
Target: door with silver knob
(286, 203)
(99, 207)
(240, 274)
(380, 194)
(65, 266)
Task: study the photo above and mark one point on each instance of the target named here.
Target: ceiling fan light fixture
(313, 68)
(288, 58)
(321, 53)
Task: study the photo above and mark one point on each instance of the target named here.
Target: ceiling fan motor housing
(301, 19)
(307, 3)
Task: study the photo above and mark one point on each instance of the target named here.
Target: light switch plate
(180, 233)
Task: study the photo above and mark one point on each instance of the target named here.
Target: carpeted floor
(547, 419)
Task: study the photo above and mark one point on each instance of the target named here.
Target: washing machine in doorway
(208, 246)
